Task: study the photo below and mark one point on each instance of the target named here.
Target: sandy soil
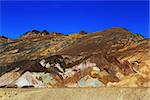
(75, 94)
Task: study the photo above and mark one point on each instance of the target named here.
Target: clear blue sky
(68, 16)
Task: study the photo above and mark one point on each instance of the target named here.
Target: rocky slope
(112, 57)
(4, 39)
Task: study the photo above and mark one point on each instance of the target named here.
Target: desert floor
(75, 94)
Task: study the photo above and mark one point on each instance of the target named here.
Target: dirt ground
(75, 94)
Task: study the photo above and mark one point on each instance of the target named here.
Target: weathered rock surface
(111, 58)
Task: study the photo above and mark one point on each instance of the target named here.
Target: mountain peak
(35, 31)
(116, 29)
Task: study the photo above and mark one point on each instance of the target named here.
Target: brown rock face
(115, 57)
(4, 39)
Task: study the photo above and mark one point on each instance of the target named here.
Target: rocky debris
(112, 58)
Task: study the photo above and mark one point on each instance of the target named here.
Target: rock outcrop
(112, 58)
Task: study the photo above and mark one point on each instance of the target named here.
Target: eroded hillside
(113, 57)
